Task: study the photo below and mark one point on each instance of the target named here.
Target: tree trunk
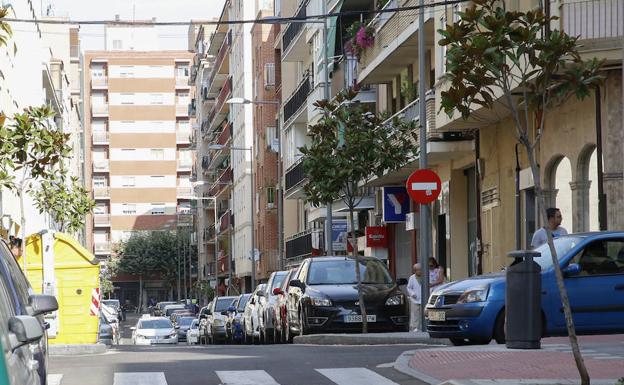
(578, 358)
(140, 304)
(358, 276)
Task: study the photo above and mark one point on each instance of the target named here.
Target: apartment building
(137, 110)
(40, 65)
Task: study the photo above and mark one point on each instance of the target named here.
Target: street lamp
(217, 147)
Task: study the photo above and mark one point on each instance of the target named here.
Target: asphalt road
(233, 365)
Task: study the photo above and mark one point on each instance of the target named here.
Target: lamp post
(218, 147)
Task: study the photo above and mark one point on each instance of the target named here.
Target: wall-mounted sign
(396, 204)
(376, 236)
(340, 232)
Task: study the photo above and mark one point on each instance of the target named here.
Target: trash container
(523, 320)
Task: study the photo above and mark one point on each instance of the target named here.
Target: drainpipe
(518, 223)
(602, 198)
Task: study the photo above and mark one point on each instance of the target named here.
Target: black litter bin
(523, 320)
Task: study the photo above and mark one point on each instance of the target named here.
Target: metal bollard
(523, 319)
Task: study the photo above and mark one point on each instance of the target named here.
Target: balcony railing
(100, 137)
(182, 81)
(184, 164)
(295, 175)
(224, 221)
(293, 29)
(223, 95)
(304, 244)
(102, 247)
(99, 109)
(603, 19)
(183, 136)
(223, 264)
(184, 192)
(100, 165)
(100, 82)
(225, 46)
(102, 220)
(101, 192)
(225, 134)
(298, 98)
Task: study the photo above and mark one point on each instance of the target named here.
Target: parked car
(266, 310)
(234, 324)
(323, 297)
(192, 334)
(472, 310)
(159, 309)
(215, 316)
(105, 331)
(154, 330)
(179, 313)
(113, 304)
(251, 315)
(24, 304)
(182, 325)
(279, 308)
(169, 309)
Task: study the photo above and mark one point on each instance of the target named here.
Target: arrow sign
(423, 186)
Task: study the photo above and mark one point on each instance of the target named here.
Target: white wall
(142, 126)
(142, 154)
(141, 71)
(141, 98)
(144, 208)
(143, 181)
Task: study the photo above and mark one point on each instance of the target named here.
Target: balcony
(297, 100)
(183, 137)
(185, 164)
(222, 182)
(600, 22)
(100, 83)
(101, 192)
(223, 264)
(224, 222)
(182, 110)
(102, 248)
(225, 134)
(99, 110)
(101, 138)
(184, 192)
(304, 244)
(294, 47)
(209, 234)
(220, 109)
(220, 67)
(182, 82)
(100, 165)
(295, 177)
(101, 220)
(396, 43)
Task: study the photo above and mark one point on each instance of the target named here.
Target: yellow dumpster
(58, 265)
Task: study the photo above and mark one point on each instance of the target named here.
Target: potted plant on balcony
(360, 37)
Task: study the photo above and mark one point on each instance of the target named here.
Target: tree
(498, 58)
(34, 149)
(349, 145)
(67, 202)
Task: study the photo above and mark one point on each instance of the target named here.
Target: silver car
(154, 330)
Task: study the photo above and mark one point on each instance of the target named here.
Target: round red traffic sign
(423, 186)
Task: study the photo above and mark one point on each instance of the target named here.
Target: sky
(92, 37)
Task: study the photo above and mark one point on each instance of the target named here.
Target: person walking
(413, 290)
(554, 218)
(436, 274)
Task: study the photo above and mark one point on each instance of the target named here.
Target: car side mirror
(42, 304)
(277, 291)
(572, 270)
(401, 281)
(24, 330)
(297, 283)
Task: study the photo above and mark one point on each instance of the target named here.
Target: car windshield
(185, 321)
(242, 302)
(223, 304)
(195, 324)
(562, 246)
(337, 272)
(277, 281)
(113, 303)
(155, 324)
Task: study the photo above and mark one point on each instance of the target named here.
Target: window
(269, 138)
(601, 258)
(157, 99)
(182, 71)
(270, 197)
(129, 209)
(157, 153)
(269, 75)
(158, 209)
(127, 181)
(99, 181)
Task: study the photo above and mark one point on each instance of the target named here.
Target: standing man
(553, 215)
(413, 290)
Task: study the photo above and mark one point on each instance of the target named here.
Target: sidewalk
(495, 364)
(405, 338)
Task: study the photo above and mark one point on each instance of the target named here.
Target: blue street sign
(396, 204)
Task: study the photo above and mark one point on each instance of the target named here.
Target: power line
(276, 20)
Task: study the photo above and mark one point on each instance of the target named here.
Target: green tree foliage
(507, 60)
(5, 29)
(349, 145)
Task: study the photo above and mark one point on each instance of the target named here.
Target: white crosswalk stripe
(245, 377)
(350, 376)
(140, 378)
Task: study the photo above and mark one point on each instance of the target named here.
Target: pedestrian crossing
(337, 376)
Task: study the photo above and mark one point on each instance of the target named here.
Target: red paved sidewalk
(497, 362)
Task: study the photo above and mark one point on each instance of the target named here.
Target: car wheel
(499, 328)
(479, 341)
(459, 341)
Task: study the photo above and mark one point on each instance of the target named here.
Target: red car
(281, 327)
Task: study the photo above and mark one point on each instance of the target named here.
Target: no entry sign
(423, 186)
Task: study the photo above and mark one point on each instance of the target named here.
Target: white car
(251, 319)
(154, 330)
(192, 334)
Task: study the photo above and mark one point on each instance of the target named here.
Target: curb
(69, 350)
(402, 365)
(405, 338)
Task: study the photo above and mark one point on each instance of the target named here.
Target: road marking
(350, 376)
(140, 378)
(245, 377)
(54, 379)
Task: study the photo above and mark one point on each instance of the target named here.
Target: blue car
(473, 310)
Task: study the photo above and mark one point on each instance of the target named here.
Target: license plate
(352, 318)
(437, 315)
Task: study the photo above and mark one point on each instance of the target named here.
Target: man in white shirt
(553, 215)
(414, 292)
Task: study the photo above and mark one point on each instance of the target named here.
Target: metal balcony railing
(603, 19)
(100, 137)
(225, 134)
(223, 96)
(224, 221)
(293, 29)
(295, 175)
(100, 165)
(298, 98)
(225, 46)
(304, 244)
(101, 192)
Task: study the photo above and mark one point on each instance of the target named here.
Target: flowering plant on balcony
(361, 37)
